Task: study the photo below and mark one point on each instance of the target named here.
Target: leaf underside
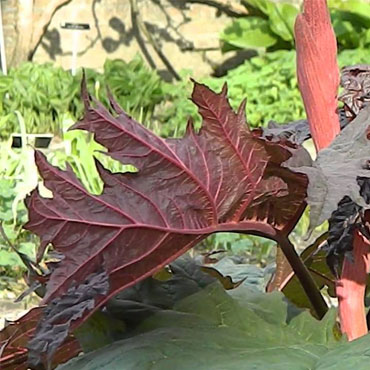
(222, 178)
(14, 339)
(337, 169)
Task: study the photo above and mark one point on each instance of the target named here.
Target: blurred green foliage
(270, 25)
(268, 82)
(43, 93)
(351, 23)
(13, 215)
(18, 176)
(79, 150)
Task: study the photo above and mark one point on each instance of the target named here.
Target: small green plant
(79, 150)
(13, 216)
(351, 23)
(268, 27)
(44, 94)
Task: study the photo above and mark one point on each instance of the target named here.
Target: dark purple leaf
(52, 330)
(335, 172)
(279, 198)
(15, 337)
(342, 225)
(224, 178)
(355, 81)
(298, 131)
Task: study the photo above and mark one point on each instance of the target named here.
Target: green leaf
(366, 38)
(250, 274)
(28, 248)
(150, 295)
(356, 7)
(249, 33)
(215, 330)
(348, 28)
(98, 331)
(262, 5)
(282, 18)
(10, 231)
(9, 258)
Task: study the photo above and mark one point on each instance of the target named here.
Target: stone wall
(186, 32)
(9, 13)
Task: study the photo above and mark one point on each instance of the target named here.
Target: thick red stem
(318, 80)
(317, 70)
(351, 289)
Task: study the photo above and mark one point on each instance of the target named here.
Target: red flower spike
(317, 70)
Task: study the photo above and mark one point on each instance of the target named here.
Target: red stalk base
(351, 290)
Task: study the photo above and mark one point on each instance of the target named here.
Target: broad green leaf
(366, 37)
(356, 7)
(250, 274)
(9, 258)
(99, 330)
(348, 27)
(10, 231)
(262, 5)
(282, 18)
(136, 303)
(249, 33)
(212, 330)
(27, 248)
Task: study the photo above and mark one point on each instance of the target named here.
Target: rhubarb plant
(182, 191)
(109, 248)
(222, 178)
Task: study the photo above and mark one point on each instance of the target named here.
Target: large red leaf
(15, 336)
(224, 178)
